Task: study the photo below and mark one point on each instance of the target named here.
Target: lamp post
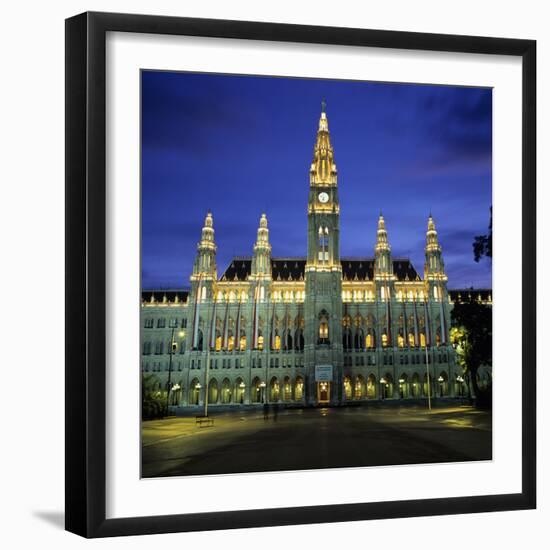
(460, 380)
(175, 388)
(401, 390)
(198, 388)
(212, 320)
(384, 385)
(440, 380)
(262, 385)
(428, 381)
(173, 347)
(242, 385)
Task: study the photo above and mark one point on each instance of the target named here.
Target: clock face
(323, 197)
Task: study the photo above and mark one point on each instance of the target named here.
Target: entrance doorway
(323, 392)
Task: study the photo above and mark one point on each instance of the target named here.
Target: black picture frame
(86, 274)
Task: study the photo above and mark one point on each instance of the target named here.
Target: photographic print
(316, 273)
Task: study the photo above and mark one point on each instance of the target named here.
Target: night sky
(242, 145)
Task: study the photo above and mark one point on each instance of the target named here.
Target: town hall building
(322, 329)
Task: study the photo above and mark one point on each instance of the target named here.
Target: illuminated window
(323, 244)
(287, 391)
(411, 339)
(423, 340)
(359, 388)
(384, 339)
(260, 342)
(369, 340)
(218, 343)
(347, 388)
(242, 343)
(230, 343)
(299, 389)
(203, 293)
(400, 341)
(262, 294)
(277, 343)
(371, 387)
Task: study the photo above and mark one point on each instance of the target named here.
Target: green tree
(483, 244)
(472, 337)
(153, 400)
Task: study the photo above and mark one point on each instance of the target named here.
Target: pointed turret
(436, 284)
(383, 266)
(433, 267)
(323, 167)
(205, 261)
(261, 262)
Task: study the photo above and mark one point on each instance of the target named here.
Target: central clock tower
(323, 280)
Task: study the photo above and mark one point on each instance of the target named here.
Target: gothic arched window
(323, 328)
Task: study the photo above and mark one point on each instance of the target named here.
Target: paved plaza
(297, 439)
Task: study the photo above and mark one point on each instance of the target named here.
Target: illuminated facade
(321, 329)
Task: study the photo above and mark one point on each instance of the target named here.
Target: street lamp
(176, 387)
(401, 389)
(384, 386)
(440, 379)
(173, 348)
(262, 385)
(460, 380)
(242, 385)
(198, 388)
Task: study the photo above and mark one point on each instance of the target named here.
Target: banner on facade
(323, 373)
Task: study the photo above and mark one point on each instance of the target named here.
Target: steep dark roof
(287, 269)
(159, 295)
(238, 270)
(361, 269)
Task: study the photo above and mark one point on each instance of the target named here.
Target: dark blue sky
(242, 145)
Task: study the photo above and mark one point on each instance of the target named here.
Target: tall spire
(207, 230)
(205, 262)
(261, 262)
(382, 236)
(432, 242)
(382, 251)
(433, 267)
(323, 167)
